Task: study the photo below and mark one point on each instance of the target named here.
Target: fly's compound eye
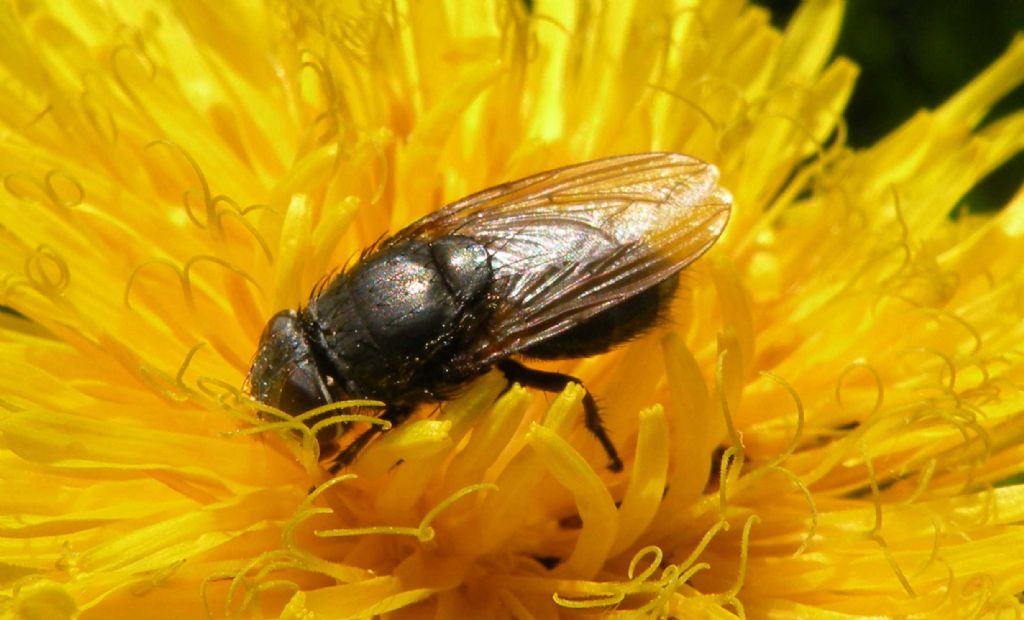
(301, 391)
(285, 373)
(286, 376)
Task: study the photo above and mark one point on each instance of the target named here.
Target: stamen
(209, 203)
(47, 271)
(875, 533)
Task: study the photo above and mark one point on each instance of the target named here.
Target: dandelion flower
(829, 423)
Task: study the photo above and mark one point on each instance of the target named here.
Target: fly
(563, 264)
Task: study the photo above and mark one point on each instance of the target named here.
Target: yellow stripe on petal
(647, 480)
(595, 505)
(973, 101)
(809, 38)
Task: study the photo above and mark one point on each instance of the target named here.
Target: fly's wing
(568, 243)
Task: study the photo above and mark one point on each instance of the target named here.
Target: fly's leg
(556, 382)
(394, 414)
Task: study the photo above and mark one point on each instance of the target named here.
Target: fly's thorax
(400, 312)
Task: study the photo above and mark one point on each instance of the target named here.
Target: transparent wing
(568, 243)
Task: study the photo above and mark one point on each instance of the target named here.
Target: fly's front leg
(394, 414)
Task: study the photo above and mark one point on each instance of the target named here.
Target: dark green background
(915, 55)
